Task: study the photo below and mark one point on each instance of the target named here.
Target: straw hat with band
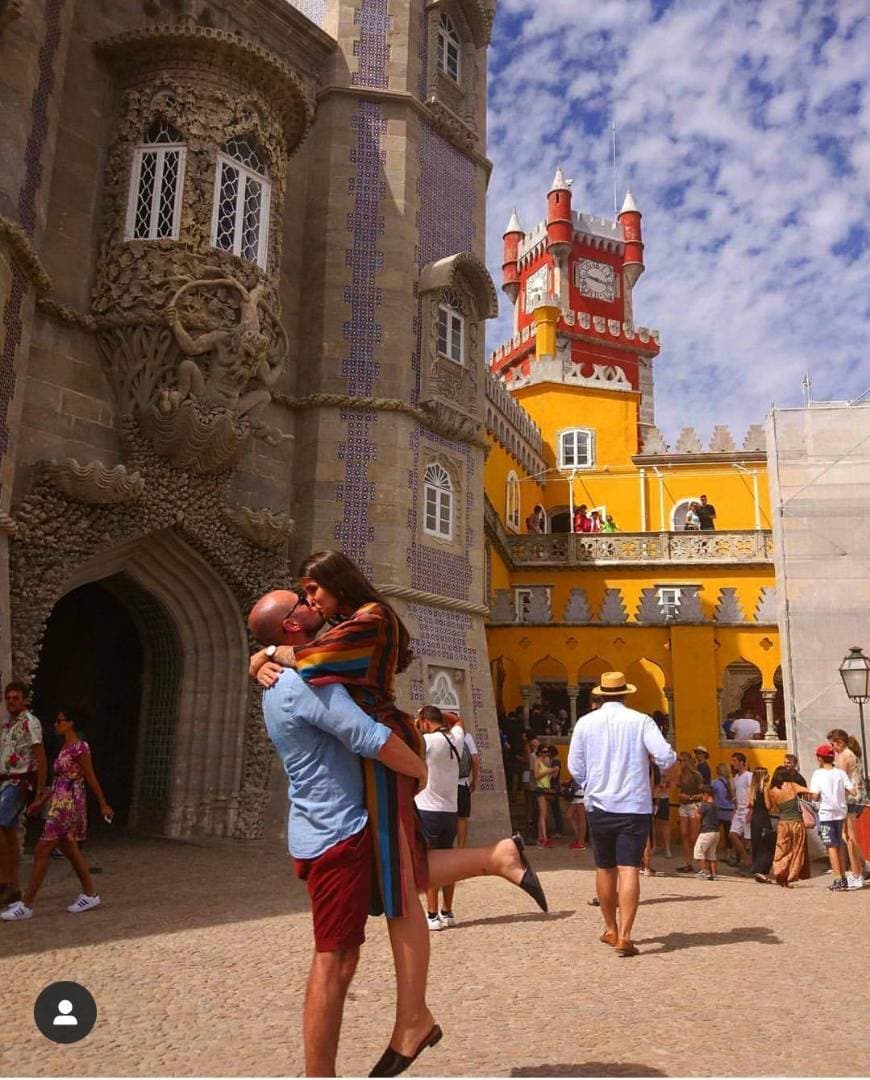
(613, 684)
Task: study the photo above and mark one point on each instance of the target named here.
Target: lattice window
(240, 222)
(576, 449)
(449, 49)
(443, 693)
(512, 501)
(438, 490)
(156, 185)
(451, 329)
(669, 601)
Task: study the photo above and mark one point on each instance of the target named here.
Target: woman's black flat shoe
(530, 882)
(392, 1062)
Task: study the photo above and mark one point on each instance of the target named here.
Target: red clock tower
(580, 270)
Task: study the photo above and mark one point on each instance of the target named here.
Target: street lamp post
(855, 673)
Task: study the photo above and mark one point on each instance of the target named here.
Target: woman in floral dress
(66, 822)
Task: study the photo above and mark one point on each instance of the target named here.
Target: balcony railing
(602, 549)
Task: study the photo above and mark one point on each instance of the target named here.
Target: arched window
(438, 499)
(678, 514)
(443, 693)
(451, 329)
(449, 49)
(576, 449)
(241, 204)
(156, 183)
(512, 501)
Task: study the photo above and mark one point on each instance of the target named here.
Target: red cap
(825, 750)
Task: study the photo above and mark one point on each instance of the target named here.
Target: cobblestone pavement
(198, 956)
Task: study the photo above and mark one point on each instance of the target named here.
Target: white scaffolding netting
(819, 462)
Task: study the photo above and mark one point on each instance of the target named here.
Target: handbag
(808, 814)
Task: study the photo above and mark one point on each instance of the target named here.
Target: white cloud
(744, 130)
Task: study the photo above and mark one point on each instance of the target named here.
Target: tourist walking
(723, 795)
(689, 782)
(708, 834)
(831, 787)
(762, 831)
(609, 756)
(740, 833)
(66, 823)
(847, 755)
(364, 652)
(790, 860)
(23, 771)
(543, 777)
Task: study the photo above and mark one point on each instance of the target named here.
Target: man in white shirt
(745, 729)
(831, 786)
(437, 802)
(740, 829)
(609, 756)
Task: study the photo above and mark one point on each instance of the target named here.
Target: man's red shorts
(339, 883)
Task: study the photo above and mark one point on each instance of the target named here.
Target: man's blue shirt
(320, 734)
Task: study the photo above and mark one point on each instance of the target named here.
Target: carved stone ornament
(688, 442)
(722, 441)
(8, 525)
(728, 610)
(654, 442)
(577, 610)
(755, 438)
(613, 611)
(263, 528)
(94, 484)
(503, 608)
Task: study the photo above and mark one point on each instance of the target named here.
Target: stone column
(720, 700)
(769, 696)
(526, 691)
(573, 691)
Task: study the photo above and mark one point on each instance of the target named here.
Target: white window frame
(245, 174)
(453, 319)
(512, 501)
(523, 599)
(669, 598)
(590, 448)
(449, 39)
(443, 497)
(449, 699)
(158, 150)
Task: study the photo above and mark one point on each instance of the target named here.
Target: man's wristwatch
(271, 650)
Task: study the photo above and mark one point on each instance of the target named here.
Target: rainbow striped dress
(361, 654)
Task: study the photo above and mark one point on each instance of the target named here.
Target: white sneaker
(854, 881)
(448, 919)
(702, 873)
(83, 902)
(17, 911)
(434, 922)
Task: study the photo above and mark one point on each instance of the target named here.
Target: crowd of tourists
(700, 516)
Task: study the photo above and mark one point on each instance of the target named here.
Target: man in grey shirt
(609, 755)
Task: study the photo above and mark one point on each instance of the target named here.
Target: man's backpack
(464, 758)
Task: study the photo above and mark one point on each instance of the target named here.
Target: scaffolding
(819, 467)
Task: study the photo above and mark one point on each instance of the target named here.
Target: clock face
(596, 279)
(536, 288)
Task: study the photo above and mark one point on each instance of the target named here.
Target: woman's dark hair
(77, 716)
(782, 774)
(849, 740)
(351, 588)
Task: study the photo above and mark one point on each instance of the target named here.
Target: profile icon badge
(65, 1012)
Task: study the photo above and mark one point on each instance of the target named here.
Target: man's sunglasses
(301, 600)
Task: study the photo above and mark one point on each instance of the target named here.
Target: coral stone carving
(94, 483)
(263, 528)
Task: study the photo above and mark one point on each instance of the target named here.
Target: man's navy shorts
(618, 839)
(439, 827)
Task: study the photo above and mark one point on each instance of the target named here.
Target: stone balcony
(750, 546)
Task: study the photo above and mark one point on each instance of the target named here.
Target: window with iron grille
(669, 602)
(576, 449)
(449, 49)
(241, 207)
(438, 497)
(451, 331)
(156, 184)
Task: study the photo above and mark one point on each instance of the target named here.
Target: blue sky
(743, 133)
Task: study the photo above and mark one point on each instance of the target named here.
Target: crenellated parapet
(721, 447)
(512, 428)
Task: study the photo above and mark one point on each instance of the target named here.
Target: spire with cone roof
(559, 181)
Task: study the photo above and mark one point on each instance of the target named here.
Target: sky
(742, 130)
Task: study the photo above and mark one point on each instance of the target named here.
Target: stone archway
(194, 718)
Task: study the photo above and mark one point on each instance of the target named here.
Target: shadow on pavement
(672, 942)
(675, 898)
(526, 916)
(589, 1068)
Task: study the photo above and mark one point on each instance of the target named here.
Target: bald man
(320, 734)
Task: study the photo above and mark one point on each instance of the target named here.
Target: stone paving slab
(198, 957)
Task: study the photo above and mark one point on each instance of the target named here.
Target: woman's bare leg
(409, 941)
(71, 849)
(457, 864)
(542, 819)
(37, 874)
(684, 841)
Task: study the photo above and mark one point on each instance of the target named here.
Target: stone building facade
(242, 299)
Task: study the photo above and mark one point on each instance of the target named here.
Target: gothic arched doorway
(110, 649)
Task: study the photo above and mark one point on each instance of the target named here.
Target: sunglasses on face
(302, 600)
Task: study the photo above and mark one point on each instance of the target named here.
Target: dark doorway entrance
(560, 521)
(92, 658)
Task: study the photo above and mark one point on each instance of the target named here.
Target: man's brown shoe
(609, 937)
(626, 948)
